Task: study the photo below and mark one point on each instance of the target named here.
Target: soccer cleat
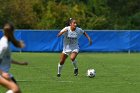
(75, 72)
(58, 75)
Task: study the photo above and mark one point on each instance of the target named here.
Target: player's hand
(22, 44)
(6, 75)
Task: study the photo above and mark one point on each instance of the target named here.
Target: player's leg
(62, 61)
(74, 62)
(14, 80)
(10, 85)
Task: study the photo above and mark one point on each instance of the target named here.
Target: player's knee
(72, 58)
(62, 62)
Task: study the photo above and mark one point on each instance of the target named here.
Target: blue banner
(103, 41)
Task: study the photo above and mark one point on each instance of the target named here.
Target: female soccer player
(70, 44)
(6, 79)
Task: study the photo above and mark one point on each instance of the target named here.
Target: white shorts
(70, 51)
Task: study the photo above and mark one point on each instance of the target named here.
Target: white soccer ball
(91, 73)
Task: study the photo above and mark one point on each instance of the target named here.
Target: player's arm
(19, 63)
(89, 39)
(62, 32)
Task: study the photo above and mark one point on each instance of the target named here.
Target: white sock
(59, 68)
(75, 64)
(10, 91)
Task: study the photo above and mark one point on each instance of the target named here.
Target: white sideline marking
(23, 80)
(66, 81)
(43, 81)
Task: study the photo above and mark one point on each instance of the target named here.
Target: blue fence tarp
(103, 41)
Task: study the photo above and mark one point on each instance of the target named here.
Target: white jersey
(70, 41)
(5, 54)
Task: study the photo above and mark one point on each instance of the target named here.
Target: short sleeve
(64, 29)
(3, 47)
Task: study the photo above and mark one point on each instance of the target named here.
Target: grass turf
(115, 73)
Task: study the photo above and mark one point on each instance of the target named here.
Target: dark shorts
(14, 80)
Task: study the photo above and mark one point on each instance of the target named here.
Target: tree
(52, 14)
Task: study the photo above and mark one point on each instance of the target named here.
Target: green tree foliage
(20, 12)
(53, 14)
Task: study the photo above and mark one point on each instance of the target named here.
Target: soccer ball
(91, 73)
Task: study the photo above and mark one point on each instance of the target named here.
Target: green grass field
(115, 73)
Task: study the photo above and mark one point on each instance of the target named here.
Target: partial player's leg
(60, 65)
(10, 85)
(74, 62)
